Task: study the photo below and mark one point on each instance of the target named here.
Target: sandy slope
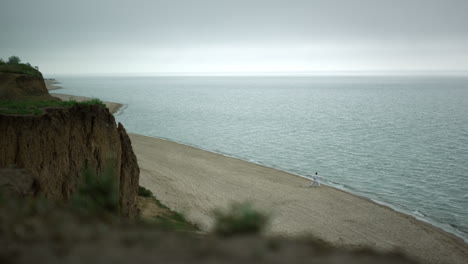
(194, 182)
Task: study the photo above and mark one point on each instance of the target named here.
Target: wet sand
(194, 182)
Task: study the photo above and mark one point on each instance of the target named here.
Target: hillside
(21, 68)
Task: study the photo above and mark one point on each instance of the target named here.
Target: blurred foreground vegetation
(88, 230)
(239, 219)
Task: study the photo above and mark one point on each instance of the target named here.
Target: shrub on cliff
(14, 60)
(143, 192)
(97, 194)
(14, 65)
(20, 69)
(240, 218)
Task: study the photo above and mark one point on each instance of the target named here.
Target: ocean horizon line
(272, 74)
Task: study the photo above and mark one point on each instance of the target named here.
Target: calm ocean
(401, 141)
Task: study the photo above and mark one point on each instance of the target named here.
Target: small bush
(143, 192)
(93, 101)
(14, 60)
(240, 218)
(97, 194)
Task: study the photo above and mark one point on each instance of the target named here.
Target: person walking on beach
(315, 179)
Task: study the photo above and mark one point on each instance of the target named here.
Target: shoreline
(194, 181)
(51, 85)
(422, 217)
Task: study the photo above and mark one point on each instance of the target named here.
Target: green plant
(14, 60)
(143, 192)
(34, 107)
(20, 68)
(240, 218)
(14, 65)
(97, 193)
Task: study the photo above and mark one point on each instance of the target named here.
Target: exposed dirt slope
(19, 86)
(56, 145)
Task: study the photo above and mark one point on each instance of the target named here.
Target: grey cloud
(71, 29)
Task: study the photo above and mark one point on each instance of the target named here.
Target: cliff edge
(22, 86)
(57, 145)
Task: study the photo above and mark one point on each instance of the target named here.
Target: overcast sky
(206, 36)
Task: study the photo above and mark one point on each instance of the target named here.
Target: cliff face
(56, 145)
(18, 86)
(129, 175)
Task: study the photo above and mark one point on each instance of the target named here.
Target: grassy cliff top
(20, 68)
(34, 107)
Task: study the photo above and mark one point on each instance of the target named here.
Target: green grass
(20, 68)
(239, 219)
(143, 192)
(34, 107)
(98, 194)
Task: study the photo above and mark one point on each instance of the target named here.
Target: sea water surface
(401, 141)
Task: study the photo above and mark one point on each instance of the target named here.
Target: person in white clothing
(315, 179)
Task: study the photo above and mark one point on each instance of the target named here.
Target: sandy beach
(194, 182)
(52, 85)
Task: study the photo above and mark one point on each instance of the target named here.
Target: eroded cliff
(20, 86)
(56, 145)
